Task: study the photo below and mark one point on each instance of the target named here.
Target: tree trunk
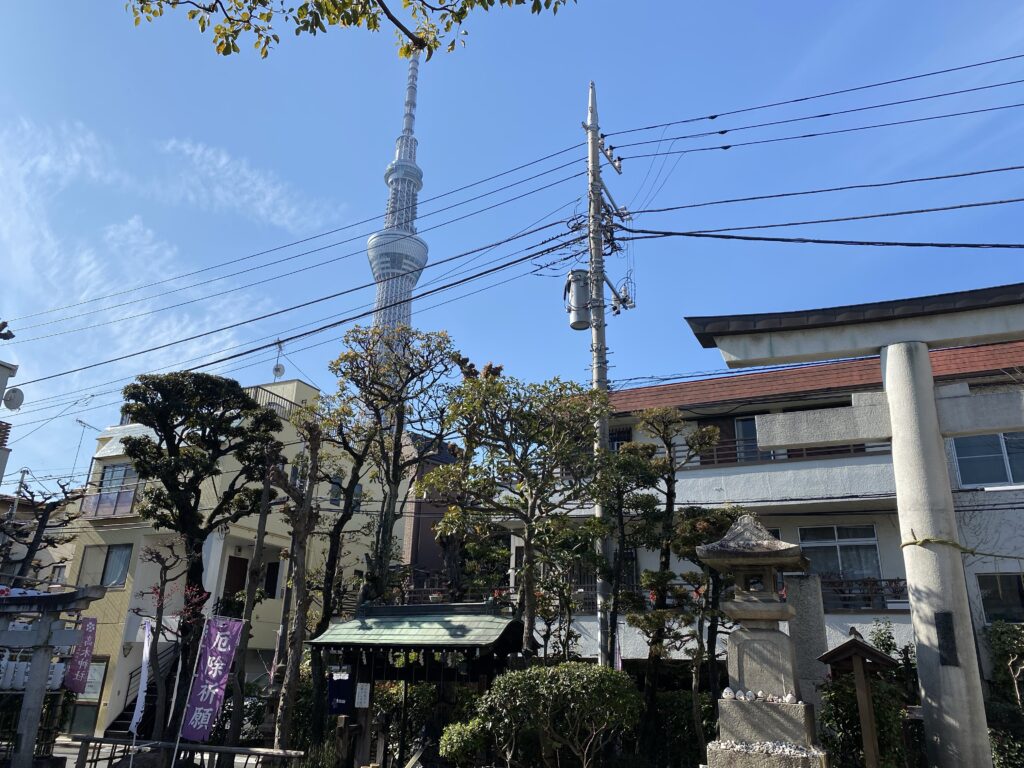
(714, 623)
(318, 665)
(190, 625)
(37, 539)
(613, 614)
(529, 596)
(296, 638)
(160, 706)
(252, 584)
(698, 659)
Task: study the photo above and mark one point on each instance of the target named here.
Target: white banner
(140, 701)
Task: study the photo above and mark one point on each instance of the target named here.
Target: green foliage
(525, 458)
(840, 721)
(1007, 749)
(324, 755)
(461, 743)
(198, 420)
(387, 709)
(430, 24)
(562, 715)
(254, 711)
(677, 745)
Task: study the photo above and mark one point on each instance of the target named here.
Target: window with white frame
(842, 551)
(990, 459)
(746, 441)
(618, 436)
(117, 477)
(1002, 596)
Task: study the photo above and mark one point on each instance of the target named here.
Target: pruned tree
(622, 485)
(170, 563)
(528, 458)
(198, 422)
(303, 515)
(349, 435)
(427, 25)
(677, 444)
(41, 525)
(399, 380)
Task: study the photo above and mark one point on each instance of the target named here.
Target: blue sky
(131, 155)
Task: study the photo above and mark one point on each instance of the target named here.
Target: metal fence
(108, 753)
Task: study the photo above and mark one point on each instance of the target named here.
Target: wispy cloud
(212, 178)
(52, 260)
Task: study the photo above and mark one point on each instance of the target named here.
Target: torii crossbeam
(915, 417)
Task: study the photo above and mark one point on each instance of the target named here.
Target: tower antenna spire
(397, 255)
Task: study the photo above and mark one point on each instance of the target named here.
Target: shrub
(549, 716)
(840, 721)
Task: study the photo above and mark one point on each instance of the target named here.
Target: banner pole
(188, 697)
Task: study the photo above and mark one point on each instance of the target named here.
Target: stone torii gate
(916, 416)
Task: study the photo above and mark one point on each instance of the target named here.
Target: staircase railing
(164, 659)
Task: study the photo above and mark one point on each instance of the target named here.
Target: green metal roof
(426, 626)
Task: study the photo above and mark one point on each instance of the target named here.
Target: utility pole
(584, 290)
(598, 349)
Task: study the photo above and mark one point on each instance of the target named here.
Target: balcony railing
(282, 406)
(120, 503)
(745, 451)
(840, 595)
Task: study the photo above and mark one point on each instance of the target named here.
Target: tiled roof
(436, 630)
(840, 376)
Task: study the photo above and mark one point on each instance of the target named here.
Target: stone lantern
(765, 723)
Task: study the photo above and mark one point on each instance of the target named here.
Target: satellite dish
(14, 398)
(278, 371)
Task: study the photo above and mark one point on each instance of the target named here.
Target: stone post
(950, 681)
(803, 592)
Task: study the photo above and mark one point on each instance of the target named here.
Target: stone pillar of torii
(916, 416)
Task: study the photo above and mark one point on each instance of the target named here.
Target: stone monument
(762, 720)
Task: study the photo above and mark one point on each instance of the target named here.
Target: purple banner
(218, 649)
(77, 674)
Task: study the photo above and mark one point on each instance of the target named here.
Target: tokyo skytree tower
(397, 255)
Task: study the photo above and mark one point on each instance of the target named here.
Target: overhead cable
(826, 94)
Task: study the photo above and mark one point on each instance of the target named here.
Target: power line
(267, 315)
(647, 234)
(274, 278)
(823, 190)
(338, 338)
(332, 231)
(862, 217)
(837, 92)
(836, 132)
(820, 116)
(460, 269)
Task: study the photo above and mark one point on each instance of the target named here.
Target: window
(335, 495)
(990, 459)
(842, 551)
(105, 566)
(115, 567)
(357, 498)
(619, 435)
(293, 476)
(58, 574)
(1002, 596)
(116, 477)
(271, 578)
(746, 441)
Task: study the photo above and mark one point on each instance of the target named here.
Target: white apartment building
(839, 502)
(109, 549)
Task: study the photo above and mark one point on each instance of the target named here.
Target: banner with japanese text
(211, 678)
(77, 674)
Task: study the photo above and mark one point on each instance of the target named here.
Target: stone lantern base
(764, 754)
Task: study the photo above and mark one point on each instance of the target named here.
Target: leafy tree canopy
(198, 421)
(428, 26)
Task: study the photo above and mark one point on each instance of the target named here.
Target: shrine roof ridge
(707, 328)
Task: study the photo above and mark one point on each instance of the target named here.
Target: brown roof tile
(838, 376)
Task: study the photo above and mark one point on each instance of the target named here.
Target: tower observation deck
(397, 255)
